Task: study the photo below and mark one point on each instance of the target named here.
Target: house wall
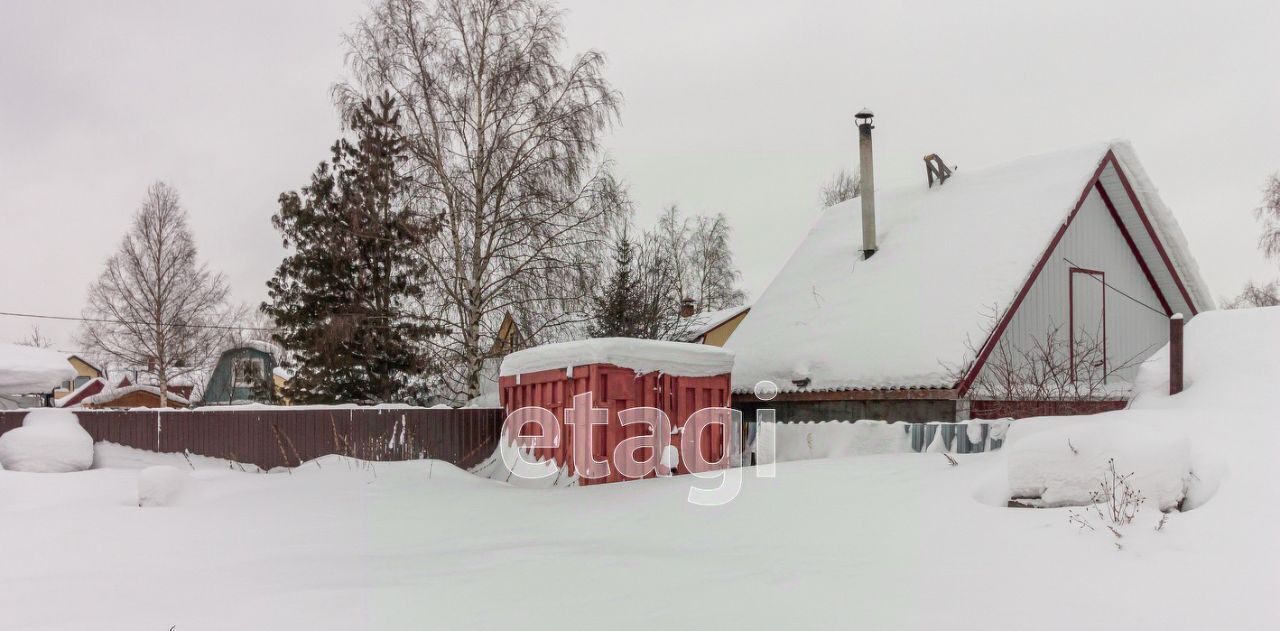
(719, 335)
(135, 399)
(1094, 241)
(279, 383)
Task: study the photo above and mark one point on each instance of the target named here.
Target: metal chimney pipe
(867, 183)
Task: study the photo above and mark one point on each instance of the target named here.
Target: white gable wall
(1093, 241)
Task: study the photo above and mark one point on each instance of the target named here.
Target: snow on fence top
(642, 356)
(950, 255)
(29, 370)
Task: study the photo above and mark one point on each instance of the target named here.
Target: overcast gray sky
(736, 107)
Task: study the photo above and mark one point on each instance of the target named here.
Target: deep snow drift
(871, 542)
(49, 441)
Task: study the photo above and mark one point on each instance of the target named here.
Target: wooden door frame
(1071, 315)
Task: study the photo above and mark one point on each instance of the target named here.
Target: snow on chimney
(867, 185)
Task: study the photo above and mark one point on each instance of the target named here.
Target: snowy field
(900, 541)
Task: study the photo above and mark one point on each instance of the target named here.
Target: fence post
(1175, 354)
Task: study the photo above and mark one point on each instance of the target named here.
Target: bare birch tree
(699, 252)
(842, 187)
(1268, 214)
(1255, 295)
(36, 338)
(155, 306)
(503, 133)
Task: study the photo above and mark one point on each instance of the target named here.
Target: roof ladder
(937, 169)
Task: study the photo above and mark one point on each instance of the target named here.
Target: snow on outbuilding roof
(702, 323)
(643, 356)
(86, 389)
(30, 370)
(949, 255)
(111, 394)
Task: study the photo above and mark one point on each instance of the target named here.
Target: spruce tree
(616, 307)
(339, 299)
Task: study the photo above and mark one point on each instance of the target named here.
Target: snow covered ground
(900, 541)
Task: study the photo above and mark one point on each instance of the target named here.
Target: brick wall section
(285, 436)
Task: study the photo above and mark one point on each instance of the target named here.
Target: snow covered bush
(49, 441)
(160, 485)
(1076, 465)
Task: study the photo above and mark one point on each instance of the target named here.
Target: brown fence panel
(273, 437)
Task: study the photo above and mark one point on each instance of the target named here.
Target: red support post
(1175, 354)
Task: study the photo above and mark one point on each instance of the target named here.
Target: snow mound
(49, 441)
(107, 455)
(1227, 366)
(642, 356)
(833, 439)
(519, 467)
(27, 369)
(1064, 465)
(160, 485)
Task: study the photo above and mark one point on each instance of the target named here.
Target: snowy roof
(90, 363)
(702, 323)
(70, 398)
(111, 394)
(28, 370)
(643, 356)
(948, 255)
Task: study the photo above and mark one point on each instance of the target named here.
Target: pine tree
(616, 309)
(340, 298)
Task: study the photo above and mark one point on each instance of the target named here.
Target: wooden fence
(289, 436)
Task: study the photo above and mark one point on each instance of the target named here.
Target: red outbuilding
(620, 374)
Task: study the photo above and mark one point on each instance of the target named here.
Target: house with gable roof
(964, 273)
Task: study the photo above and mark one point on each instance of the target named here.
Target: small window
(80, 381)
(249, 372)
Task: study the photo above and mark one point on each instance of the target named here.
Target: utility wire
(221, 327)
(138, 323)
(1113, 288)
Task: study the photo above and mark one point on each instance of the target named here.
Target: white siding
(1093, 241)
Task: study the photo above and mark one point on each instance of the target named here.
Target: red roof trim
(1142, 213)
(1133, 247)
(1109, 159)
(987, 347)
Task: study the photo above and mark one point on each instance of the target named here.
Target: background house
(86, 371)
(965, 275)
(243, 374)
(129, 397)
(715, 327)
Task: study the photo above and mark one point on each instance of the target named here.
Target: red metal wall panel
(615, 389)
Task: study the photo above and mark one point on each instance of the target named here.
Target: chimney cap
(864, 114)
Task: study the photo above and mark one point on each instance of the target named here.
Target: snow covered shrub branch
(1116, 501)
(1050, 366)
